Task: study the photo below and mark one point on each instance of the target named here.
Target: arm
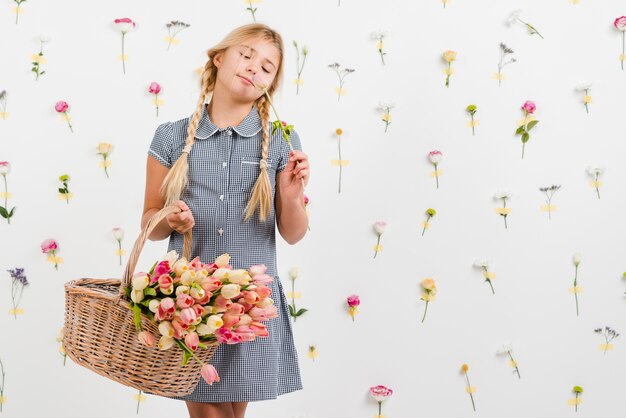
(291, 217)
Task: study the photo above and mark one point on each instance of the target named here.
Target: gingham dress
(223, 167)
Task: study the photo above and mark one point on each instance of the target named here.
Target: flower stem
(492, 291)
(576, 290)
(119, 244)
(377, 243)
(379, 408)
(138, 401)
(123, 57)
(516, 368)
(597, 187)
(426, 309)
(623, 51)
(473, 132)
(469, 389)
(340, 162)
(6, 196)
(436, 175)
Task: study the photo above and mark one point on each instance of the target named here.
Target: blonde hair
(177, 178)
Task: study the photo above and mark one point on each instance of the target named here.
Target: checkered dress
(223, 167)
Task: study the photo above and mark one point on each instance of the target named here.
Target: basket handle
(141, 239)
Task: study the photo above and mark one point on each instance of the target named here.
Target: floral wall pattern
(466, 244)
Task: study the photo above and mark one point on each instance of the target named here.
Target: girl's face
(255, 60)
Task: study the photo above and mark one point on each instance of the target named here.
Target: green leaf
(520, 130)
(12, 211)
(149, 291)
(531, 124)
(4, 212)
(145, 302)
(525, 137)
(291, 311)
(202, 346)
(301, 311)
(42, 73)
(62, 191)
(137, 316)
(152, 268)
(186, 357)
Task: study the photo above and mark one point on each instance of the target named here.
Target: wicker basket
(100, 333)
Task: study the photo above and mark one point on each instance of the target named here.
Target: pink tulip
(179, 329)
(230, 320)
(162, 268)
(61, 106)
(263, 314)
(165, 282)
(262, 279)
(246, 306)
(48, 245)
(195, 264)
(263, 291)
(5, 167)
(353, 300)
(187, 316)
(211, 267)
(125, 21)
(166, 308)
(259, 329)
(244, 333)
(251, 296)
(529, 107)
(257, 269)
(155, 88)
(209, 374)
(192, 340)
(236, 309)
(223, 303)
(146, 338)
(223, 335)
(198, 309)
(209, 284)
(183, 300)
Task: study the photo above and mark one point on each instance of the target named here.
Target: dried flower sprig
(550, 191)
(609, 335)
(18, 283)
(379, 37)
(507, 349)
(514, 17)
(173, 29)
(342, 75)
(38, 59)
(300, 68)
(469, 389)
(504, 51)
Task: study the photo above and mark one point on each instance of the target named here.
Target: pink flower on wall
(124, 25)
(62, 108)
(155, 88)
(620, 25)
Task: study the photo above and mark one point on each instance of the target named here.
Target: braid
(261, 197)
(177, 178)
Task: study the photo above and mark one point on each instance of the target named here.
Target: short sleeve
(162, 144)
(284, 152)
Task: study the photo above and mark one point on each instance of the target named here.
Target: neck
(223, 111)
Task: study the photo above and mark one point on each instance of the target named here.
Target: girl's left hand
(289, 179)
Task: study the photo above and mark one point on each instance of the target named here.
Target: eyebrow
(254, 50)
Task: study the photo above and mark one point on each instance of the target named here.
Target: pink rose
(192, 340)
(209, 374)
(61, 106)
(353, 300)
(155, 88)
(48, 245)
(620, 23)
(5, 167)
(380, 393)
(529, 106)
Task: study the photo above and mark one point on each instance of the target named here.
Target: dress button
(220, 231)
(224, 164)
(221, 197)
(229, 132)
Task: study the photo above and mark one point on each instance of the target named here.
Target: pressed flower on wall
(609, 335)
(586, 97)
(380, 394)
(549, 191)
(504, 51)
(514, 18)
(340, 162)
(118, 234)
(312, 353)
(17, 9)
(486, 265)
(353, 305)
(3, 104)
(251, 8)
(341, 74)
(38, 59)
(173, 29)
(620, 25)
(155, 88)
(64, 192)
(578, 390)
(18, 283)
(503, 211)
(526, 124)
(50, 247)
(576, 289)
(507, 349)
(448, 57)
(595, 171)
(430, 292)
(469, 388)
(379, 37)
(430, 212)
(435, 158)
(5, 212)
(471, 109)
(124, 25)
(386, 108)
(379, 228)
(104, 149)
(139, 397)
(2, 385)
(63, 108)
(299, 68)
(293, 311)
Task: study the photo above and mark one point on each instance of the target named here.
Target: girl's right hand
(183, 221)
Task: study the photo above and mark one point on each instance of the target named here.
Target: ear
(217, 59)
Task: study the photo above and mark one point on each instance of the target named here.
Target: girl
(234, 182)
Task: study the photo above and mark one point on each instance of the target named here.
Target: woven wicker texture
(100, 333)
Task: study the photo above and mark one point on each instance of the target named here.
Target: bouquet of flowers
(195, 303)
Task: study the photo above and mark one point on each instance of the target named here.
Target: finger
(182, 205)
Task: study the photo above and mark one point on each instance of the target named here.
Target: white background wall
(387, 179)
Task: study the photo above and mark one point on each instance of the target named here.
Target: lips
(247, 80)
